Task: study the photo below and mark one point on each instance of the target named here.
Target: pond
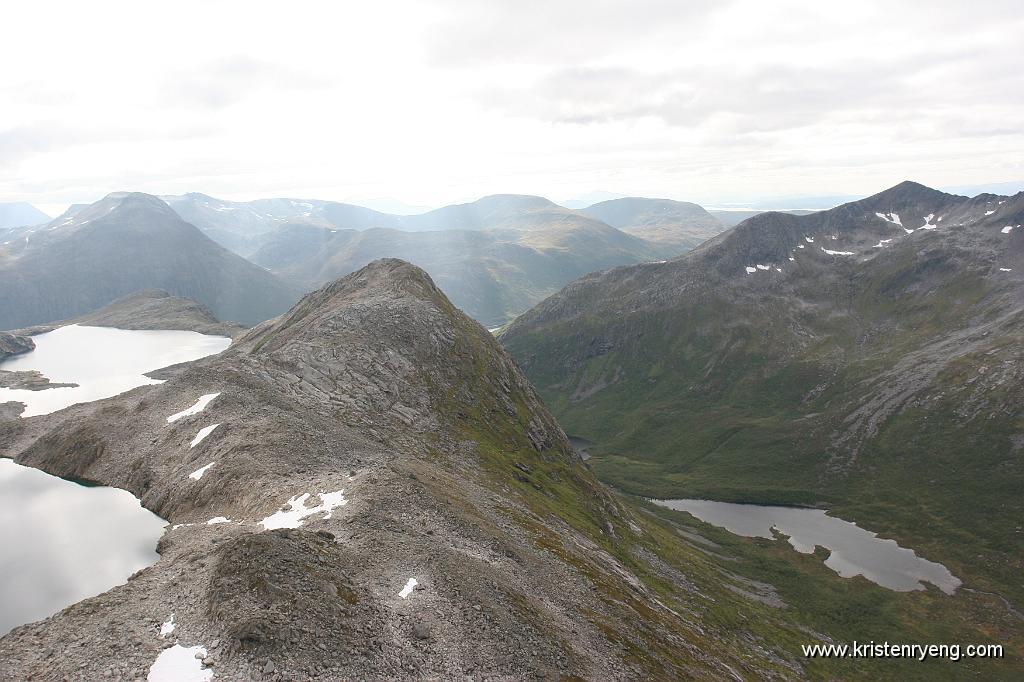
(103, 362)
(854, 550)
(62, 541)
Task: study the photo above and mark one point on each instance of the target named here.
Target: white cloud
(441, 101)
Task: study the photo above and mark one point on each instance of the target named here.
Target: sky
(439, 101)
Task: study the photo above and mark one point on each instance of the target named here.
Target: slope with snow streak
(198, 407)
(198, 473)
(201, 436)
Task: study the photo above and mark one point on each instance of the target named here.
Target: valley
(865, 359)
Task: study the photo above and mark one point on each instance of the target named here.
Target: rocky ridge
(389, 499)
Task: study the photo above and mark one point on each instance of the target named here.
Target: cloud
(513, 31)
(222, 82)
(440, 100)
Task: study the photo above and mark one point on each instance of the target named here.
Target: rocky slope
(402, 443)
(679, 224)
(867, 358)
(94, 255)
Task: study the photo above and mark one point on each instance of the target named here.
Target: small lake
(854, 551)
(103, 362)
(61, 542)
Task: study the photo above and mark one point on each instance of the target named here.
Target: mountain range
(499, 256)
(866, 358)
(495, 257)
(95, 254)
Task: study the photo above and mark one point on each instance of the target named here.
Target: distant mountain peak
(907, 192)
(20, 214)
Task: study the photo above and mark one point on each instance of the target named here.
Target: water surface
(854, 550)
(103, 361)
(61, 542)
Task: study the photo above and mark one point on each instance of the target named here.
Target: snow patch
(989, 212)
(180, 664)
(195, 409)
(810, 240)
(198, 473)
(928, 225)
(791, 258)
(799, 246)
(750, 270)
(763, 267)
(203, 433)
(218, 519)
(296, 510)
(407, 590)
(1005, 269)
(893, 218)
(167, 627)
(838, 253)
(1007, 229)
(881, 243)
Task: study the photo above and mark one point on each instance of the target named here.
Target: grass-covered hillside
(866, 359)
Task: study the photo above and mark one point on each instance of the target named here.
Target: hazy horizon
(712, 102)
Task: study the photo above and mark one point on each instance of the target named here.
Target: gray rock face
(94, 255)
(13, 344)
(456, 533)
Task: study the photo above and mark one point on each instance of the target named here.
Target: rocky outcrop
(13, 344)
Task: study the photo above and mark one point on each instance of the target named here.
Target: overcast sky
(444, 100)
